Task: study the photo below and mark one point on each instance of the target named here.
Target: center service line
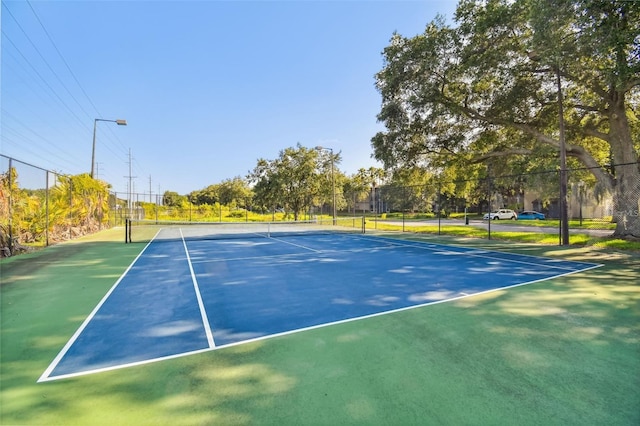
(296, 245)
(203, 312)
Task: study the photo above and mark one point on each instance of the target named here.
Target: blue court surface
(182, 297)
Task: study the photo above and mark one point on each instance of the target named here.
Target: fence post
(70, 207)
(10, 209)
(489, 204)
(439, 207)
(46, 210)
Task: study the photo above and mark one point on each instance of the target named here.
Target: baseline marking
(303, 329)
(45, 376)
(126, 365)
(212, 345)
(392, 311)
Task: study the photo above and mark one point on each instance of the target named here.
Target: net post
(126, 231)
(364, 224)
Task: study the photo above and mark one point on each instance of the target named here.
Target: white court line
(119, 366)
(294, 244)
(45, 376)
(313, 327)
(203, 312)
(212, 346)
(235, 259)
(393, 243)
(478, 253)
(286, 255)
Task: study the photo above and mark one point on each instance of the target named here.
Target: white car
(501, 214)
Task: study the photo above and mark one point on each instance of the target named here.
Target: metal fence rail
(39, 207)
(591, 209)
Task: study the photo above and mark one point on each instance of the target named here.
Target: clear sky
(207, 87)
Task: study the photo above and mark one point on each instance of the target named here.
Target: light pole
(564, 216)
(562, 202)
(333, 180)
(93, 150)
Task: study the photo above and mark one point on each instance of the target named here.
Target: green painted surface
(565, 351)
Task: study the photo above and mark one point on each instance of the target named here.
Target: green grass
(604, 223)
(237, 215)
(523, 237)
(573, 224)
(558, 352)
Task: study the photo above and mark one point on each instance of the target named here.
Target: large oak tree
(487, 87)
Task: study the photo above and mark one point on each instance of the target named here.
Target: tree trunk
(626, 197)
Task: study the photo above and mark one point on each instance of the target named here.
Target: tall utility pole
(130, 182)
(150, 189)
(130, 177)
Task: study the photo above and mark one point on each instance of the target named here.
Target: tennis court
(198, 288)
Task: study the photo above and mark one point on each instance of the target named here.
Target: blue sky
(207, 87)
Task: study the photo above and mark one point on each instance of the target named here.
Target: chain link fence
(39, 207)
(488, 204)
(27, 213)
(151, 206)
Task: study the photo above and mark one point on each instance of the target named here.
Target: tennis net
(146, 230)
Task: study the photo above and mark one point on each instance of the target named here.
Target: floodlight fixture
(333, 180)
(119, 122)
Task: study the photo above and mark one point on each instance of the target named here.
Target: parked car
(530, 215)
(501, 214)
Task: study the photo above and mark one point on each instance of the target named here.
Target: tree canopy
(298, 179)
(486, 88)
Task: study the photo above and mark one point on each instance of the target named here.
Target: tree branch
(588, 108)
(589, 131)
(513, 151)
(572, 150)
(631, 84)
